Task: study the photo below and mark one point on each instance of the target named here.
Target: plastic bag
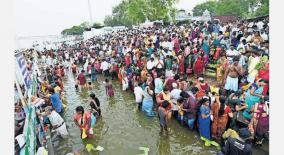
(84, 135)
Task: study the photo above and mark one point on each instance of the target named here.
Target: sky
(50, 17)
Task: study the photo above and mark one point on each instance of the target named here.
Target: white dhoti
(231, 83)
(62, 130)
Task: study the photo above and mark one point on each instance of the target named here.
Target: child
(175, 67)
(125, 83)
(76, 87)
(89, 85)
(109, 88)
(180, 111)
(162, 114)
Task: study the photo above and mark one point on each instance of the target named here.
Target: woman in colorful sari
(109, 88)
(205, 46)
(264, 74)
(147, 104)
(222, 64)
(144, 73)
(199, 66)
(83, 119)
(204, 120)
(121, 73)
(261, 121)
(221, 113)
(181, 63)
(253, 96)
(127, 59)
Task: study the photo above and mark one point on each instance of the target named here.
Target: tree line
(134, 12)
(240, 8)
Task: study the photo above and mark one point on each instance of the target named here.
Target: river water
(123, 128)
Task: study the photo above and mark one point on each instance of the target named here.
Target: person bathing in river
(162, 115)
(83, 119)
(82, 79)
(95, 105)
(109, 88)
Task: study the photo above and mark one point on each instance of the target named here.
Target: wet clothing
(162, 116)
(204, 123)
(82, 79)
(56, 102)
(109, 90)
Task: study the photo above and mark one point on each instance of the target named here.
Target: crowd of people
(165, 68)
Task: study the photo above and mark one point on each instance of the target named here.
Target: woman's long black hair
(80, 109)
(222, 106)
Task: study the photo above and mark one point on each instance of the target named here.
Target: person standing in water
(162, 115)
(109, 88)
(95, 105)
(83, 120)
(82, 79)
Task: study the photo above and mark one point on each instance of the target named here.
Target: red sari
(217, 53)
(199, 66)
(181, 65)
(127, 60)
(219, 122)
(264, 74)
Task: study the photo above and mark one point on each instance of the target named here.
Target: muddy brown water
(123, 129)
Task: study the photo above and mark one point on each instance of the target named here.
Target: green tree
(97, 25)
(200, 8)
(240, 8)
(133, 12)
(264, 9)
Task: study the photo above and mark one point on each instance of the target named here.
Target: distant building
(225, 18)
(182, 15)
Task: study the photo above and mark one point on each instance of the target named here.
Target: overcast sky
(50, 17)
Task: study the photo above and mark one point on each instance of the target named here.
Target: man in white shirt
(264, 36)
(175, 93)
(160, 64)
(56, 121)
(166, 52)
(242, 45)
(138, 91)
(232, 52)
(260, 25)
(105, 67)
(170, 45)
(151, 63)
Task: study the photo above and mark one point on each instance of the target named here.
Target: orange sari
(219, 122)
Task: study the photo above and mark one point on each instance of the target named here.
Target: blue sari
(205, 47)
(147, 104)
(251, 100)
(204, 123)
